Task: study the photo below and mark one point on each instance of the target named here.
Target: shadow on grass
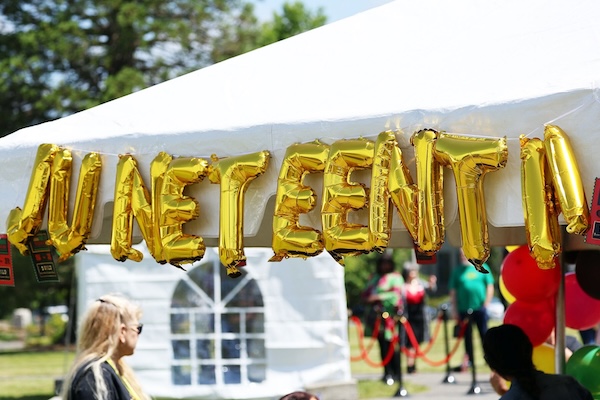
(28, 397)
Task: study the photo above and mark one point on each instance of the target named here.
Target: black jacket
(82, 387)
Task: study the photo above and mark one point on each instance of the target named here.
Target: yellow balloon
(49, 184)
(173, 209)
(566, 179)
(293, 198)
(340, 196)
(234, 174)
(470, 159)
(543, 358)
(505, 293)
(68, 240)
(131, 200)
(24, 223)
(421, 206)
(541, 216)
(380, 217)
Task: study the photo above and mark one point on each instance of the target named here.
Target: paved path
(437, 389)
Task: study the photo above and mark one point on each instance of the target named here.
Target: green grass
(30, 375)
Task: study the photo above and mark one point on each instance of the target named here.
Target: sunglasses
(138, 328)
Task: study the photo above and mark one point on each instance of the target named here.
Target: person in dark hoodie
(509, 353)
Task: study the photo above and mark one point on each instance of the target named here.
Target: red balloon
(581, 310)
(536, 319)
(525, 280)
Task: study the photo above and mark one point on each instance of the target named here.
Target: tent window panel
(256, 348)
(181, 349)
(205, 349)
(204, 323)
(181, 374)
(185, 296)
(255, 323)
(217, 328)
(230, 348)
(180, 323)
(232, 374)
(202, 276)
(206, 375)
(248, 296)
(257, 372)
(230, 323)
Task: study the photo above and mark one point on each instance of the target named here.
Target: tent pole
(559, 332)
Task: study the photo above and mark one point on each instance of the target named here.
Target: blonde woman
(109, 331)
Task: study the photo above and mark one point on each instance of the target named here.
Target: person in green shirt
(470, 294)
(383, 296)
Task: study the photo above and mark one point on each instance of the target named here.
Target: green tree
(294, 18)
(58, 57)
(61, 56)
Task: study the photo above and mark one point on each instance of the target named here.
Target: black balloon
(587, 272)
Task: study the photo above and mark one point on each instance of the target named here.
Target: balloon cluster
(531, 291)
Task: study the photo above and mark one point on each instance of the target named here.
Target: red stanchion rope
(429, 346)
(363, 351)
(418, 352)
(360, 333)
(415, 343)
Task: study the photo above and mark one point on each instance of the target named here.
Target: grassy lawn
(30, 375)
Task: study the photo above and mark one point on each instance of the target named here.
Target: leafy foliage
(58, 57)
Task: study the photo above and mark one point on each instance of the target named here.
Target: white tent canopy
(494, 68)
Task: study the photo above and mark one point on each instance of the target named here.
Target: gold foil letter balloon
(420, 206)
(69, 240)
(234, 174)
(566, 179)
(541, 215)
(380, 218)
(24, 223)
(470, 159)
(341, 196)
(290, 239)
(131, 199)
(173, 209)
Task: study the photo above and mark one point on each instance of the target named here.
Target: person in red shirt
(415, 293)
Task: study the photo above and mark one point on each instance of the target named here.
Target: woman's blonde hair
(98, 338)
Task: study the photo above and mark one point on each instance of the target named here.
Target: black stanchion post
(474, 389)
(449, 377)
(401, 392)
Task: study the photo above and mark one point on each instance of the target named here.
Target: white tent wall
(305, 320)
